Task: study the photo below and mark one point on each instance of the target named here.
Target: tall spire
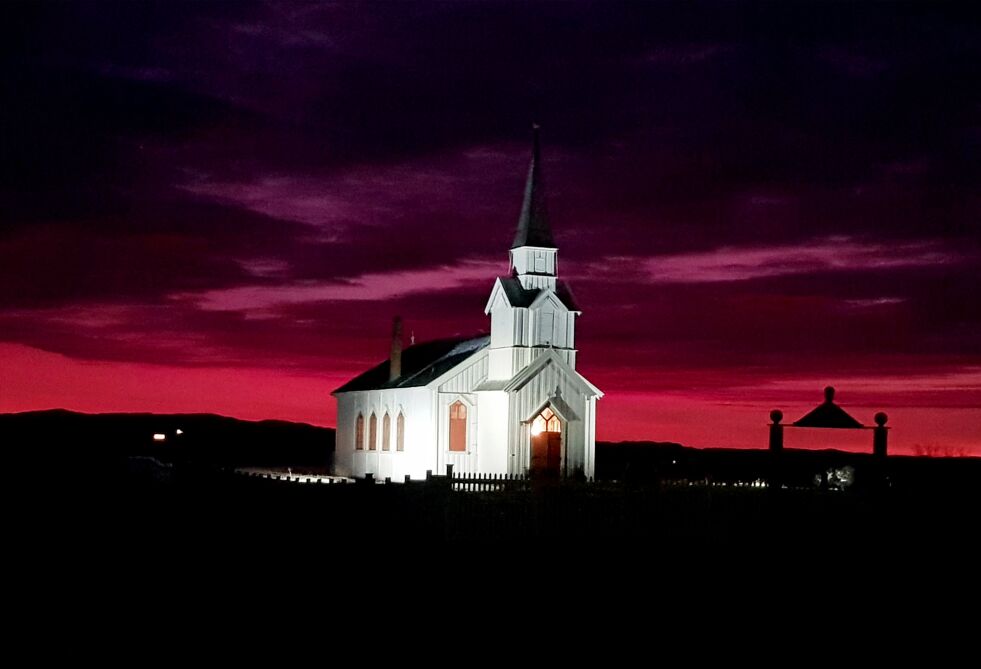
(533, 228)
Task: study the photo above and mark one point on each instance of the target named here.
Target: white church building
(508, 403)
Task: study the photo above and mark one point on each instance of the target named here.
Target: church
(508, 403)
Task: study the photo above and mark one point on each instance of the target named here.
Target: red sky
(219, 207)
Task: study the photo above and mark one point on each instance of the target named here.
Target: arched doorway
(546, 443)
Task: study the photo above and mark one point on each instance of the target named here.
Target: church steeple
(532, 312)
(533, 227)
(533, 253)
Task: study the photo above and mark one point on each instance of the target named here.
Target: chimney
(395, 359)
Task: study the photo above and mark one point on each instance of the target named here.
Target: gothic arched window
(400, 432)
(458, 426)
(546, 421)
(373, 433)
(359, 433)
(386, 433)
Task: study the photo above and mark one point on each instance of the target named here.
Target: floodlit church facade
(510, 402)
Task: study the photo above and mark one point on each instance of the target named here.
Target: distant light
(674, 462)
(159, 437)
(180, 431)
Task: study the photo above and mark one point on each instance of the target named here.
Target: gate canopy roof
(828, 415)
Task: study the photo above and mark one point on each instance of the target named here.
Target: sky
(219, 207)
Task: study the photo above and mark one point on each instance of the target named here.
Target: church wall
(501, 363)
(344, 436)
(416, 404)
(502, 324)
(497, 440)
(492, 432)
(550, 325)
(509, 337)
(521, 334)
(467, 378)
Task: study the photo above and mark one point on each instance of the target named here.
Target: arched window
(373, 433)
(359, 433)
(400, 432)
(546, 421)
(386, 433)
(458, 426)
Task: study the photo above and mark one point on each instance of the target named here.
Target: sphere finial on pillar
(776, 431)
(880, 435)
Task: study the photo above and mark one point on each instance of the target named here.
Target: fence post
(776, 450)
(776, 430)
(880, 435)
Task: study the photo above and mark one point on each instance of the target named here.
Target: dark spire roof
(533, 228)
(828, 414)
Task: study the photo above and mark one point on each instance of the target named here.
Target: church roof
(523, 377)
(828, 415)
(533, 227)
(519, 296)
(421, 364)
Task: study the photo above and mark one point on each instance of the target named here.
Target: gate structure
(827, 415)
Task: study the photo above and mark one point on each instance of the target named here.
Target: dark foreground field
(202, 510)
(82, 491)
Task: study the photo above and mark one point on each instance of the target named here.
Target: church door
(546, 444)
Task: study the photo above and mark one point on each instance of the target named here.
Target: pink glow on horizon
(32, 379)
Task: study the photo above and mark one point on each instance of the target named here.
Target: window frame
(386, 433)
(359, 432)
(465, 419)
(400, 432)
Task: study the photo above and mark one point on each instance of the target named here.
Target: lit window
(386, 433)
(546, 421)
(159, 437)
(458, 426)
(400, 433)
(359, 434)
(373, 433)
